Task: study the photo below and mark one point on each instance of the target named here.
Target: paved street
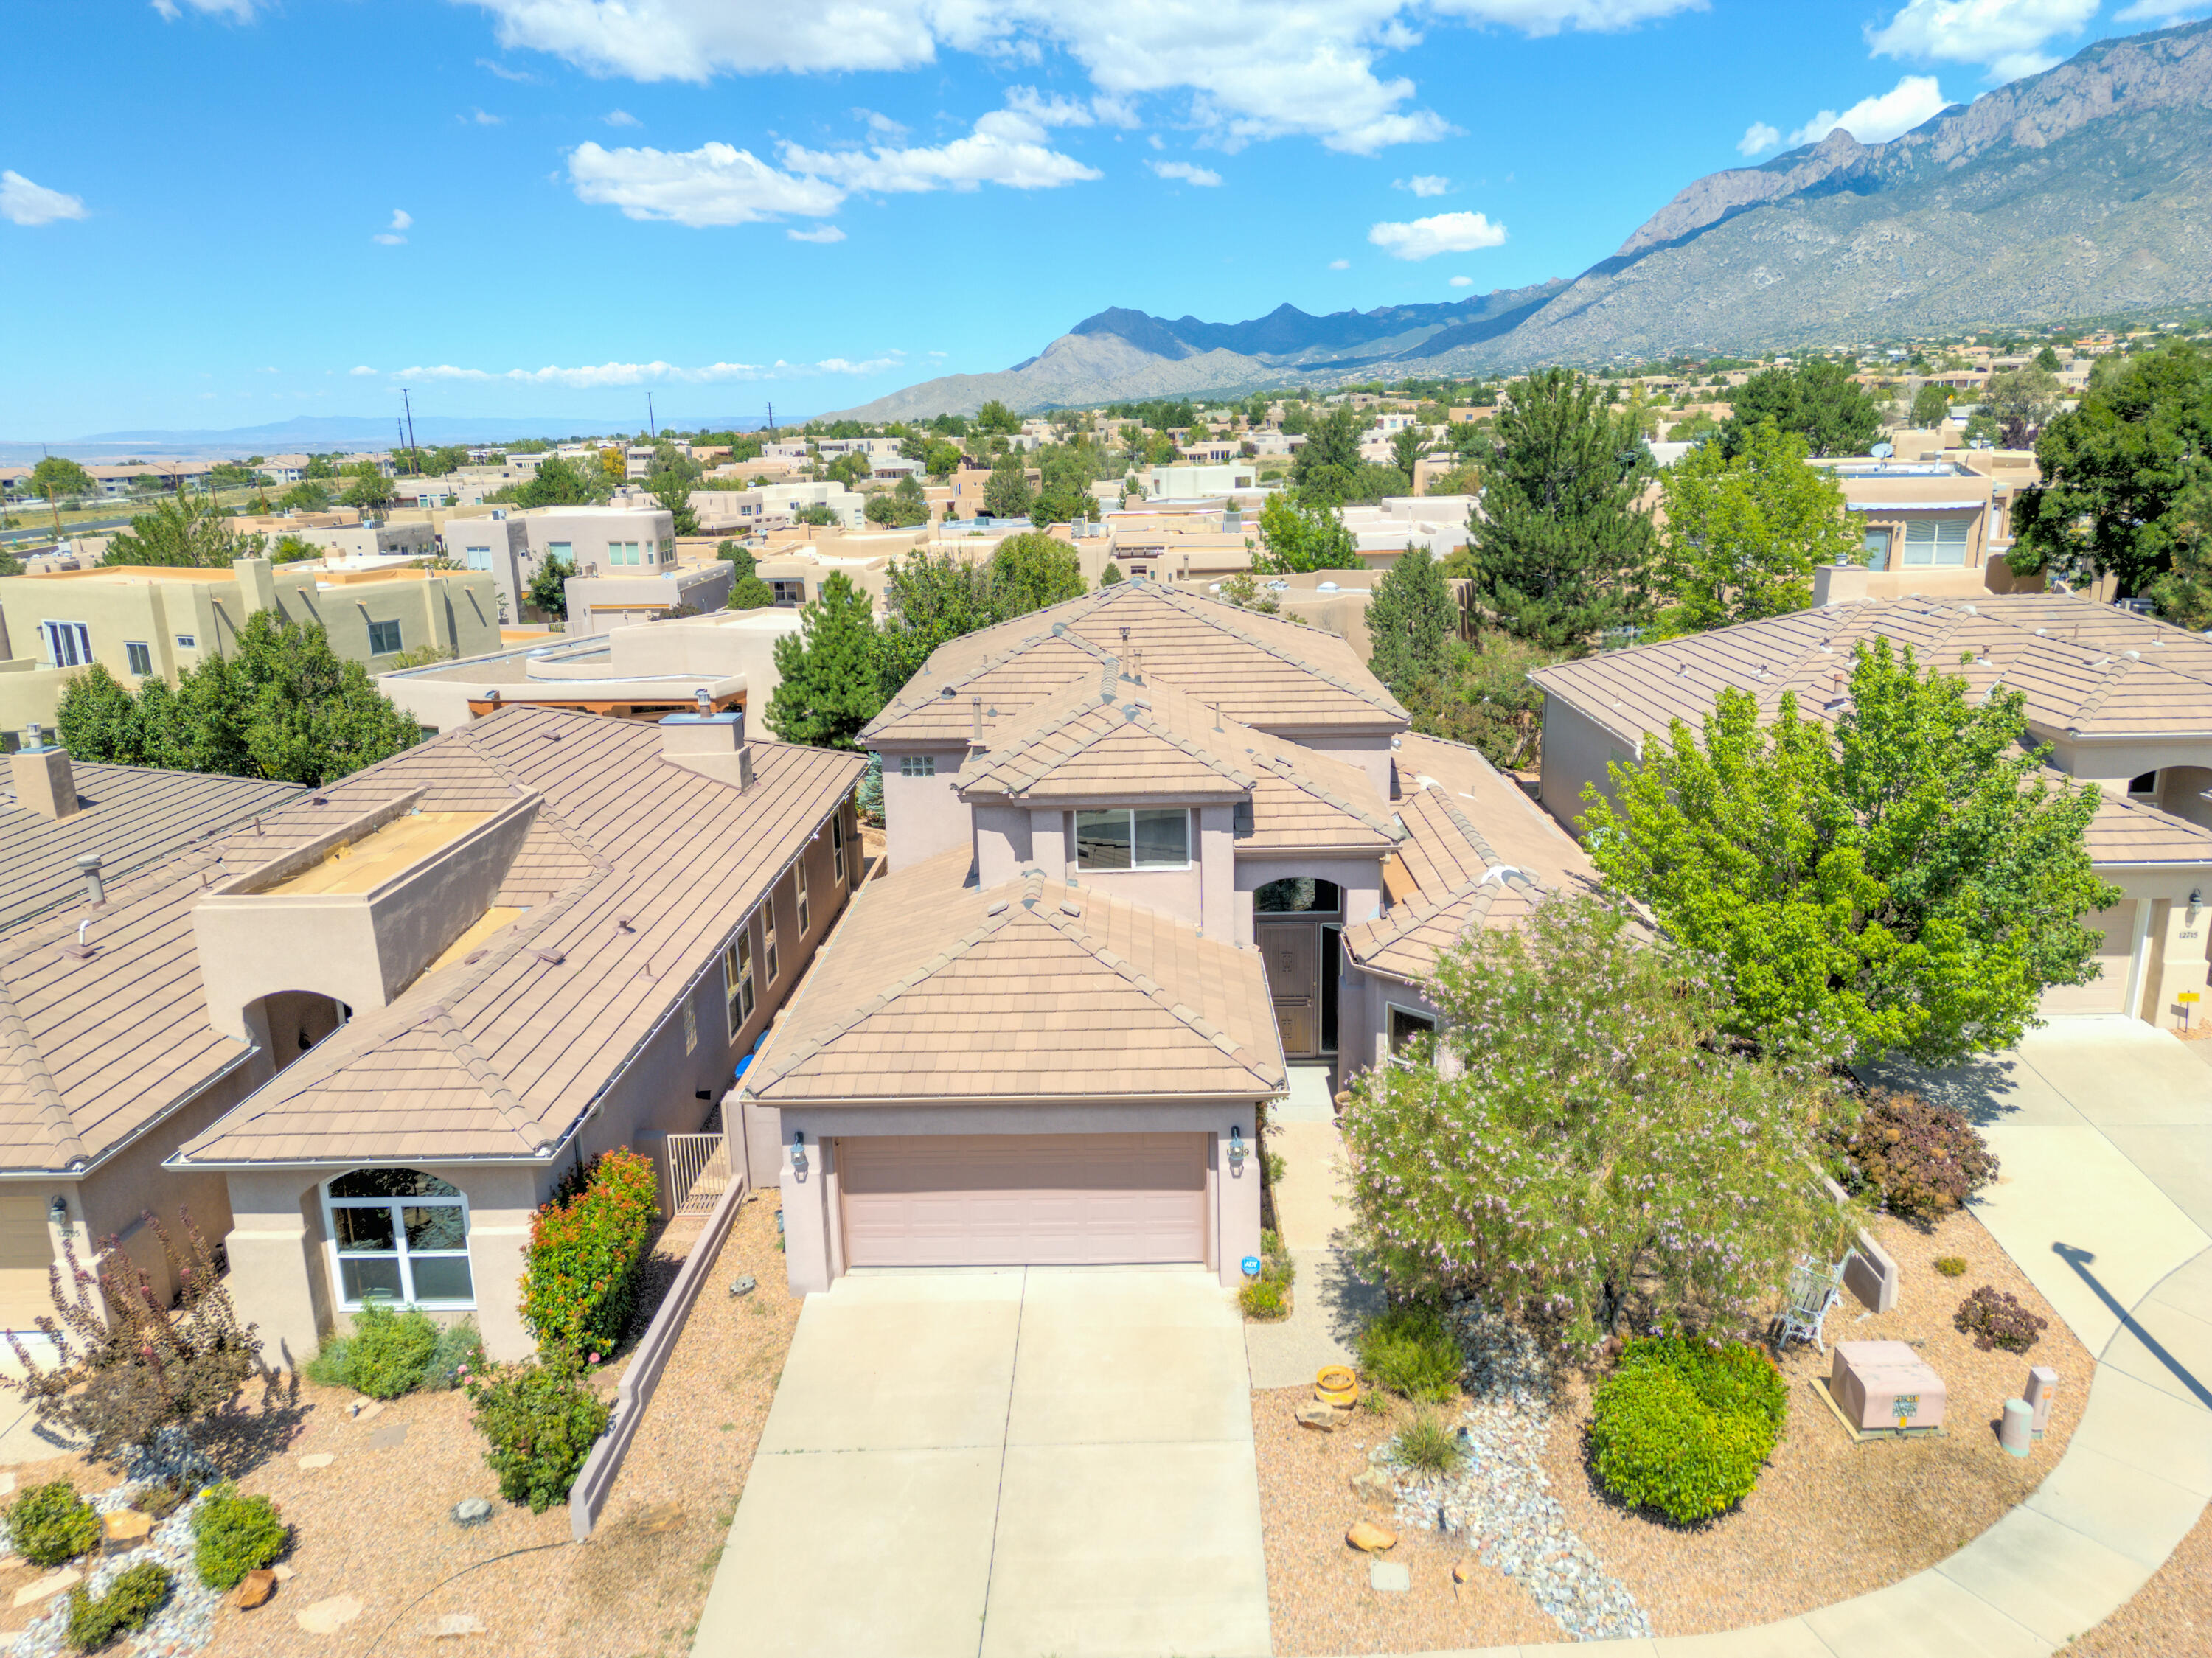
(1003, 1464)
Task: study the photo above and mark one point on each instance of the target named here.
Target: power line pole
(652, 430)
(416, 454)
(771, 418)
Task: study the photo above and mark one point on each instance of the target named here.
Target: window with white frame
(1935, 541)
(383, 638)
(69, 644)
(562, 551)
(625, 552)
(1406, 1026)
(917, 765)
(1133, 837)
(477, 558)
(186, 642)
(799, 869)
(139, 656)
(767, 939)
(838, 845)
(399, 1234)
(738, 977)
(668, 549)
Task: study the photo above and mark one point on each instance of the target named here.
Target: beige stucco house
(1146, 851)
(2122, 701)
(366, 1033)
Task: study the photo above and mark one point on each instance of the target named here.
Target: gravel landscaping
(2170, 1615)
(1549, 1556)
(375, 1526)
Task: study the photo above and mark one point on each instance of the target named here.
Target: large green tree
(304, 497)
(1327, 466)
(280, 704)
(370, 488)
(673, 491)
(558, 483)
(995, 417)
(548, 590)
(1029, 572)
(1007, 492)
(829, 687)
(1411, 621)
(928, 599)
(2021, 401)
(57, 478)
(1580, 1146)
(184, 532)
(1300, 533)
(1910, 881)
(1931, 406)
(1563, 549)
(1743, 533)
(1818, 400)
(1479, 694)
(2125, 478)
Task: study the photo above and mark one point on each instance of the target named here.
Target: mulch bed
(1829, 1520)
(376, 1525)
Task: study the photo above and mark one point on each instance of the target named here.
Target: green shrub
(1683, 1428)
(50, 1524)
(459, 1355)
(234, 1535)
(136, 1595)
(1264, 1302)
(392, 1351)
(1951, 1265)
(584, 1246)
(540, 1420)
(1428, 1443)
(1412, 1352)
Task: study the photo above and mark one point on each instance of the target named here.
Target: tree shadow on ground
(1983, 1086)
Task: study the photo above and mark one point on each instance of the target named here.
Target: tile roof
(1108, 738)
(1035, 990)
(2126, 831)
(1265, 671)
(635, 870)
(2085, 669)
(1478, 852)
(132, 816)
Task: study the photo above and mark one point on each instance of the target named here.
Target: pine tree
(1410, 620)
(1563, 551)
(1007, 492)
(829, 671)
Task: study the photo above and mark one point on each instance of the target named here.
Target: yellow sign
(2189, 996)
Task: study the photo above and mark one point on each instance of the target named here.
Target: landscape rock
(319, 1460)
(1389, 1577)
(1317, 1416)
(1369, 1538)
(1373, 1484)
(254, 1590)
(53, 1583)
(744, 1287)
(392, 1434)
(283, 1574)
(454, 1625)
(126, 1529)
(329, 1616)
(365, 1410)
(660, 1517)
(471, 1511)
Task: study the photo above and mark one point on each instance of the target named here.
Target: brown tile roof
(492, 1056)
(2085, 668)
(1478, 852)
(2125, 831)
(1106, 738)
(1264, 671)
(1035, 990)
(130, 816)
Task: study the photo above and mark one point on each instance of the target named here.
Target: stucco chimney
(711, 744)
(43, 780)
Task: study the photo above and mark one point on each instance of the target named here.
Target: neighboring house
(83, 1105)
(1923, 526)
(640, 671)
(497, 544)
(284, 469)
(2123, 701)
(1130, 839)
(366, 1036)
(148, 620)
(1196, 483)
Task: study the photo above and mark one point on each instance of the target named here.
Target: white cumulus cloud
(1461, 282)
(827, 233)
(714, 185)
(1340, 264)
(1426, 183)
(389, 236)
(479, 117)
(1205, 176)
(24, 203)
(238, 11)
(2010, 38)
(621, 118)
(2159, 11)
(361, 368)
(1756, 137)
(1878, 120)
(589, 376)
(1239, 70)
(1445, 233)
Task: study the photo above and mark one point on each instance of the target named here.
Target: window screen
(383, 638)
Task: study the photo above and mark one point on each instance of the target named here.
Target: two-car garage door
(1023, 1199)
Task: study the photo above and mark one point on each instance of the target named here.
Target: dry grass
(1829, 1520)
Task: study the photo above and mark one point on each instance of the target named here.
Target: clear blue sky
(219, 213)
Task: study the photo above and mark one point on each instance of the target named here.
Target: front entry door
(1292, 951)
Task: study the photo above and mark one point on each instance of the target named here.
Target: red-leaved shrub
(584, 1246)
(1996, 1319)
(1920, 1159)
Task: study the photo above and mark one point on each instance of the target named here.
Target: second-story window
(838, 845)
(738, 976)
(917, 765)
(383, 638)
(800, 870)
(767, 939)
(1139, 837)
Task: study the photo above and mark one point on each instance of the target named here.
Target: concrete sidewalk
(2104, 1130)
(1329, 1303)
(1002, 1464)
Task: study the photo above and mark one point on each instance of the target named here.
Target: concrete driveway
(1003, 1464)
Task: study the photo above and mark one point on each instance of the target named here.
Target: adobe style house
(366, 1033)
(2123, 701)
(1146, 850)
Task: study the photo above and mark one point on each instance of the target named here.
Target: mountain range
(2080, 191)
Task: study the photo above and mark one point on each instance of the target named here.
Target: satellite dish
(1883, 450)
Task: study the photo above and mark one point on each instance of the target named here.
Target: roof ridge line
(52, 1109)
(1275, 650)
(1059, 629)
(2117, 668)
(1278, 768)
(1479, 842)
(441, 1022)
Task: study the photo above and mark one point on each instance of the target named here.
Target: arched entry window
(1298, 895)
(398, 1235)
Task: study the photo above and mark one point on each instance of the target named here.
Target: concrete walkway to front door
(1002, 1464)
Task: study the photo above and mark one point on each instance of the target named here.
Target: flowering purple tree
(1581, 1147)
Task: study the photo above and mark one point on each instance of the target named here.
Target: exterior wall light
(1236, 1153)
(58, 1212)
(2196, 903)
(798, 1153)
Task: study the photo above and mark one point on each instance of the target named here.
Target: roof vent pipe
(975, 731)
(94, 892)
